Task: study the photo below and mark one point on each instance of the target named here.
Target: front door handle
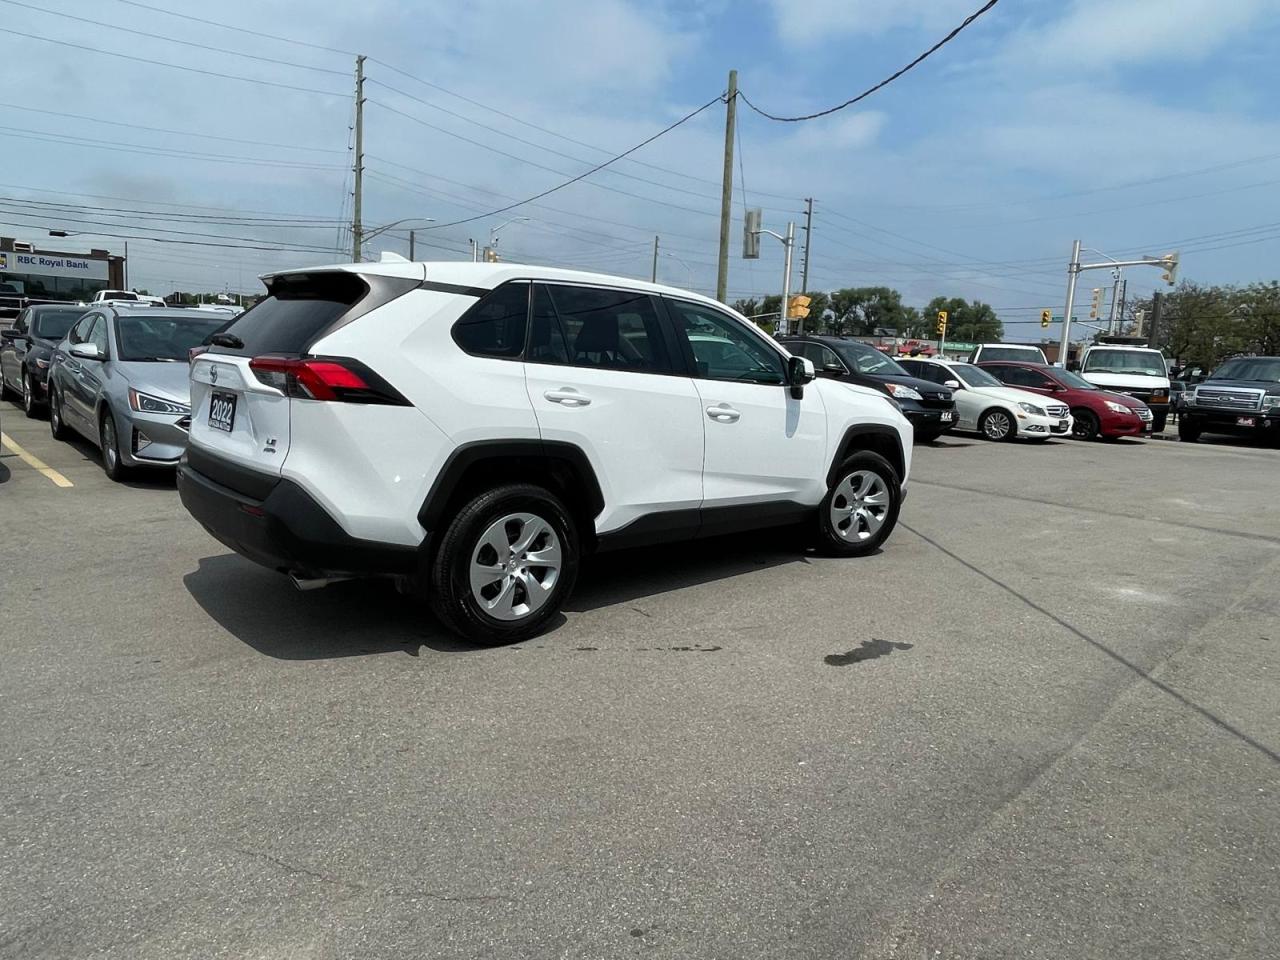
(723, 413)
(568, 397)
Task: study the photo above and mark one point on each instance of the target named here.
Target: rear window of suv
(299, 307)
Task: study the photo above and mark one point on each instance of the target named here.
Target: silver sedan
(121, 379)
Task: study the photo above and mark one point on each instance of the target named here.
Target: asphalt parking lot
(1043, 722)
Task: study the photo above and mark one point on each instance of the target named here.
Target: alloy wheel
(996, 425)
(28, 396)
(515, 566)
(109, 451)
(859, 505)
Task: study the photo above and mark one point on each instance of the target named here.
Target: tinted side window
(615, 329)
(20, 324)
(495, 327)
(723, 349)
(998, 370)
(930, 371)
(80, 332)
(547, 343)
(824, 357)
(98, 334)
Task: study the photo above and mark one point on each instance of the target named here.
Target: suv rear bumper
(287, 530)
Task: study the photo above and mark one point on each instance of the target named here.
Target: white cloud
(1104, 33)
(813, 21)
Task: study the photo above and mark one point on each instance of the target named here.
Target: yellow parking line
(35, 463)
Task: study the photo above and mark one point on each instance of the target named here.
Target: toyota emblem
(213, 374)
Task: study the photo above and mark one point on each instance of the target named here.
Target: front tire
(56, 425)
(507, 562)
(997, 424)
(1086, 425)
(1158, 422)
(29, 405)
(110, 444)
(860, 509)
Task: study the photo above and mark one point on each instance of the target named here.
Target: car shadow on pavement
(148, 478)
(630, 575)
(349, 619)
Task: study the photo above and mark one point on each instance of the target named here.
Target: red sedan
(1097, 413)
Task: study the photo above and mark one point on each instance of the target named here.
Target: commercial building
(35, 274)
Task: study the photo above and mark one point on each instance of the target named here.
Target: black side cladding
(300, 308)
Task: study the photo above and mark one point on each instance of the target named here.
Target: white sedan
(987, 406)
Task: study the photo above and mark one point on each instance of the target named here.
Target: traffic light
(798, 306)
(490, 255)
(752, 223)
(1046, 317)
(942, 323)
(1170, 275)
(1095, 305)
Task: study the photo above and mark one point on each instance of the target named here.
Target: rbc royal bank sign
(45, 265)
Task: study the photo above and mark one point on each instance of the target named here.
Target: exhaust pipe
(314, 583)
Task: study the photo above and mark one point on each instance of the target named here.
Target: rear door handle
(567, 396)
(723, 413)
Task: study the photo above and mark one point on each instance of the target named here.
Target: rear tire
(486, 581)
(1188, 430)
(997, 424)
(1158, 422)
(860, 509)
(1086, 425)
(56, 427)
(109, 440)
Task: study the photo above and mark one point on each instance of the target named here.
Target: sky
(1136, 126)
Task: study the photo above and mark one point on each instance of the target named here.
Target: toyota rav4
(477, 430)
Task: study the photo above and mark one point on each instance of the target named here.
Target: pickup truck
(1241, 398)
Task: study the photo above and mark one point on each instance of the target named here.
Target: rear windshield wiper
(229, 340)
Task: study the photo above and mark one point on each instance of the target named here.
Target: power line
(210, 219)
(549, 132)
(25, 134)
(181, 133)
(173, 66)
(886, 81)
(531, 163)
(159, 36)
(154, 203)
(227, 26)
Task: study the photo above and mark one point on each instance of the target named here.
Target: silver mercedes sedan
(120, 378)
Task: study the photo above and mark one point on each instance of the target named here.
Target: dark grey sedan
(26, 350)
(121, 379)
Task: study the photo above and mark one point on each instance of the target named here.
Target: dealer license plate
(946, 416)
(1245, 421)
(222, 410)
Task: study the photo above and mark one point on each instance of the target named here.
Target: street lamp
(493, 231)
(370, 234)
(672, 256)
(81, 233)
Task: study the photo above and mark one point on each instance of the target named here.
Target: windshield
(972, 376)
(1024, 354)
(1262, 369)
(163, 338)
(54, 324)
(1140, 363)
(867, 359)
(1073, 380)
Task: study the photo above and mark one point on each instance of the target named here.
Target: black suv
(27, 349)
(930, 407)
(1241, 398)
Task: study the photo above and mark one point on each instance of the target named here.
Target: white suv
(475, 430)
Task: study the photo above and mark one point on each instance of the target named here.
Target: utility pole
(1113, 317)
(726, 187)
(1153, 332)
(411, 244)
(654, 277)
(357, 229)
(808, 235)
(788, 245)
(475, 251)
(1124, 285)
(1073, 271)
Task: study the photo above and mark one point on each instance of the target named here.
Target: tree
(864, 309)
(968, 322)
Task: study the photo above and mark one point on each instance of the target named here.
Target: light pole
(367, 235)
(788, 244)
(493, 231)
(672, 256)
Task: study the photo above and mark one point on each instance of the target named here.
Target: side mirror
(953, 384)
(799, 372)
(85, 351)
(834, 368)
(8, 335)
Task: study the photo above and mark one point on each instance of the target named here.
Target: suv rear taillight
(325, 378)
